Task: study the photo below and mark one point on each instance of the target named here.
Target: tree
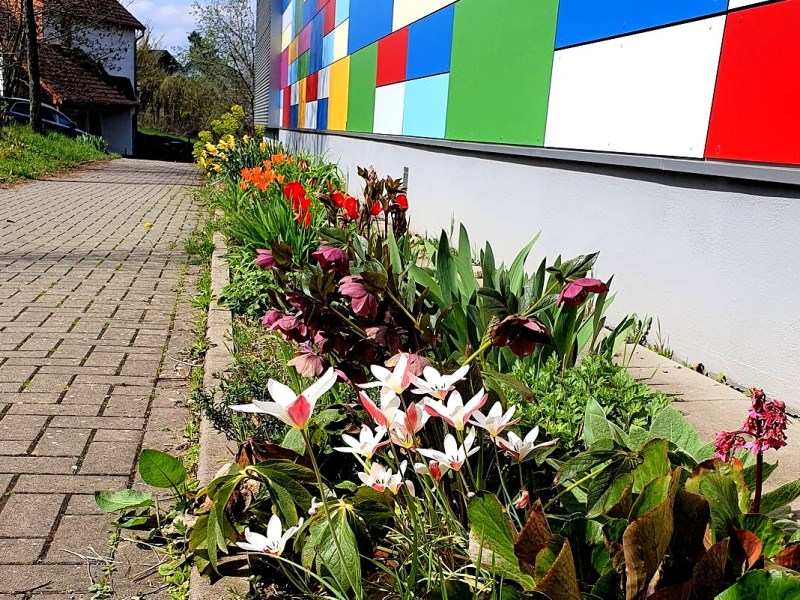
(34, 81)
(223, 48)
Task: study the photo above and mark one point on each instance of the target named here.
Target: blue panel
(309, 10)
(425, 108)
(370, 20)
(293, 68)
(327, 50)
(285, 5)
(342, 11)
(322, 113)
(581, 21)
(293, 113)
(315, 59)
(430, 42)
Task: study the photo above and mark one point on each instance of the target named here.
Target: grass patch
(27, 155)
(172, 136)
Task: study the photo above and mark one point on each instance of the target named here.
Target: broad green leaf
(491, 539)
(131, 522)
(750, 473)
(516, 273)
(764, 585)
(786, 494)
(293, 440)
(445, 270)
(122, 500)
(723, 500)
(593, 409)
(424, 279)
(341, 561)
(671, 425)
(637, 437)
(556, 577)
(616, 499)
(488, 266)
(652, 496)
(772, 538)
(394, 254)
(655, 463)
(161, 470)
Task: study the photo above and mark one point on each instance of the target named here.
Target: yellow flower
(223, 156)
(211, 149)
(217, 168)
(246, 139)
(148, 225)
(262, 146)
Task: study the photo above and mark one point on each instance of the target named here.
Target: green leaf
(637, 437)
(131, 522)
(772, 538)
(320, 548)
(750, 473)
(616, 494)
(671, 425)
(786, 494)
(655, 463)
(423, 278)
(488, 266)
(122, 500)
(445, 270)
(511, 382)
(764, 585)
(161, 470)
(293, 440)
(516, 273)
(394, 254)
(491, 539)
(593, 409)
(723, 500)
(556, 577)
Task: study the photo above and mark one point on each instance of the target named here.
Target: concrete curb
(215, 449)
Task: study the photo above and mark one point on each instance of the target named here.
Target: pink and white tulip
(385, 414)
(455, 412)
(436, 385)
(433, 469)
(294, 410)
(495, 421)
(392, 383)
(520, 448)
(367, 443)
(275, 540)
(381, 479)
(454, 456)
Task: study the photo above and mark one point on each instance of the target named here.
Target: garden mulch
(93, 308)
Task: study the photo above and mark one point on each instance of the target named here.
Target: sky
(171, 20)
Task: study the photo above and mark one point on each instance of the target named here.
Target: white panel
(310, 121)
(340, 40)
(648, 93)
(288, 15)
(324, 83)
(389, 102)
(408, 11)
(286, 38)
(295, 93)
(740, 3)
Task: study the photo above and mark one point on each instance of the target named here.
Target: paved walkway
(88, 305)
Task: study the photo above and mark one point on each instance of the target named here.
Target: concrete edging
(215, 448)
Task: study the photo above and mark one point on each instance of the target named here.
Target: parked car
(18, 109)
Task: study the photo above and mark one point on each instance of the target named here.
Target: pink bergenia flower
(364, 303)
(576, 292)
(454, 456)
(495, 421)
(433, 383)
(521, 448)
(455, 412)
(265, 260)
(294, 410)
(764, 428)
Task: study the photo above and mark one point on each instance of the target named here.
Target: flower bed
(418, 421)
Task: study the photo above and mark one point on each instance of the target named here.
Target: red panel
(287, 102)
(755, 112)
(321, 3)
(392, 57)
(311, 87)
(329, 17)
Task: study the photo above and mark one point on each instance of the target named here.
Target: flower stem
(756, 508)
(326, 507)
(582, 480)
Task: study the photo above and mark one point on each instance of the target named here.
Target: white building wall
(713, 259)
(115, 47)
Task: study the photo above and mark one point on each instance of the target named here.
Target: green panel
(297, 22)
(500, 71)
(361, 95)
(302, 65)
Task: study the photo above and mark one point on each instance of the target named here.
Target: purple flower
(576, 292)
(298, 300)
(765, 427)
(520, 334)
(331, 258)
(292, 326)
(364, 303)
(265, 260)
(271, 317)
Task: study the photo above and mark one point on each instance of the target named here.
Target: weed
(661, 346)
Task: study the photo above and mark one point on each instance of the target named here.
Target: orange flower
(267, 165)
(280, 179)
(279, 158)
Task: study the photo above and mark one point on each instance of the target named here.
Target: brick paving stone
(87, 301)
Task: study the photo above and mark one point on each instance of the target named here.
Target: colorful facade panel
(655, 77)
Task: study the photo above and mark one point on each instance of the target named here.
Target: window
(21, 108)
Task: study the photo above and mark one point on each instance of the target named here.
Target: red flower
(351, 208)
(377, 207)
(265, 260)
(330, 257)
(520, 334)
(304, 219)
(402, 202)
(576, 292)
(294, 191)
(339, 199)
(364, 304)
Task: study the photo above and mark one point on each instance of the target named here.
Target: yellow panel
(293, 50)
(301, 105)
(337, 101)
(286, 38)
